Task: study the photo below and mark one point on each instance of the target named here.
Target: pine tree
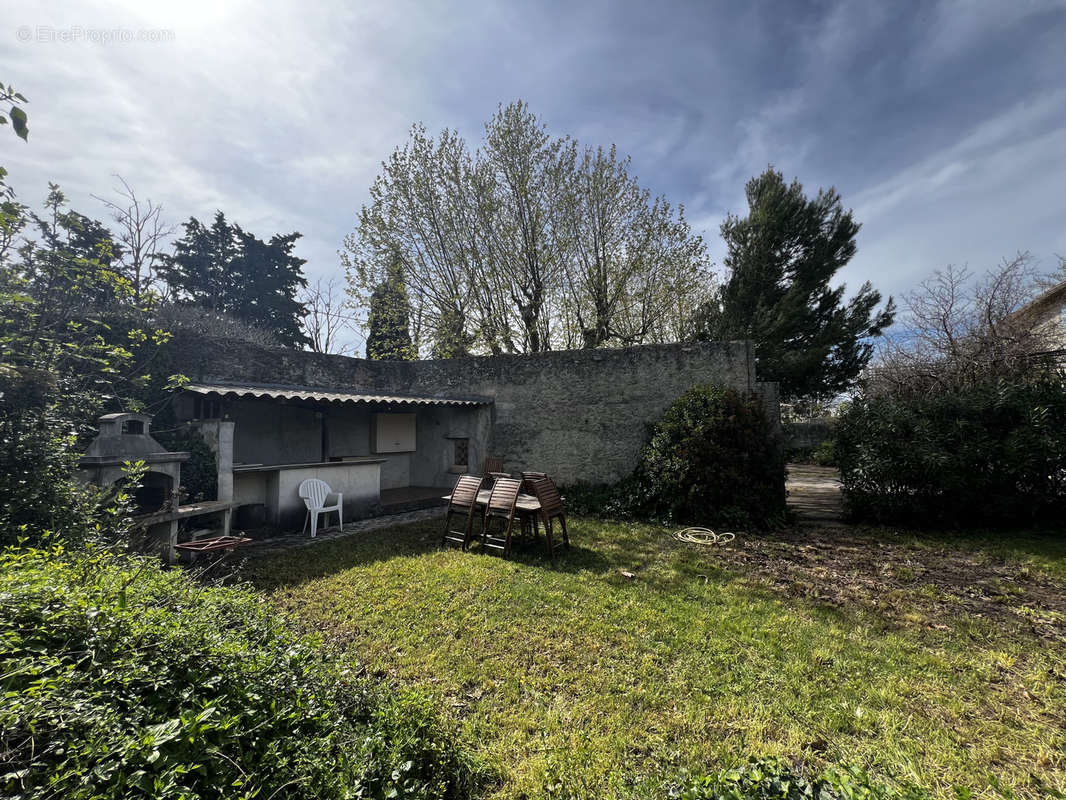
(227, 270)
(781, 258)
(389, 338)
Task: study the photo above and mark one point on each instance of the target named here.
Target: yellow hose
(703, 536)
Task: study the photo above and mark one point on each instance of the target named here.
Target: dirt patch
(907, 584)
(829, 561)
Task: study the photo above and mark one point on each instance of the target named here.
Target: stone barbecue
(125, 437)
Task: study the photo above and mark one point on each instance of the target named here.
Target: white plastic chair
(315, 494)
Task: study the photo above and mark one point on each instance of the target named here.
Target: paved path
(814, 494)
(297, 541)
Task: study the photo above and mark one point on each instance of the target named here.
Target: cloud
(943, 124)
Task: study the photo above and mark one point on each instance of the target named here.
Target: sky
(941, 124)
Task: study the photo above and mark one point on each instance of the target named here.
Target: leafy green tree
(65, 355)
(15, 115)
(526, 245)
(227, 270)
(389, 337)
(270, 278)
(782, 257)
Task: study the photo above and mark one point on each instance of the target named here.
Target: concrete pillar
(218, 433)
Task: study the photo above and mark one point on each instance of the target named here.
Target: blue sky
(942, 124)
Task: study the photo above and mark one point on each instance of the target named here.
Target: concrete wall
(278, 489)
(580, 415)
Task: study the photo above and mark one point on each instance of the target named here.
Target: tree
(636, 272)
(414, 219)
(523, 246)
(781, 258)
(325, 324)
(525, 173)
(960, 330)
(16, 115)
(68, 349)
(66, 238)
(142, 233)
(389, 336)
(227, 270)
(269, 276)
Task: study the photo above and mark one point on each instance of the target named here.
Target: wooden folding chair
(492, 470)
(464, 501)
(501, 506)
(551, 507)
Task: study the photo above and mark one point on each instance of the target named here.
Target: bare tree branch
(326, 324)
(143, 231)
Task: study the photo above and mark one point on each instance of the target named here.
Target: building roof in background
(278, 392)
(1050, 302)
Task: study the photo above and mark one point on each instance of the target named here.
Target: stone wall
(580, 415)
(807, 434)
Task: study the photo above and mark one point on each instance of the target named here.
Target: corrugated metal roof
(274, 392)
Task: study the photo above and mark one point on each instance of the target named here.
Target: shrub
(121, 678)
(199, 475)
(712, 457)
(993, 453)
(774, 780)
(825, 454)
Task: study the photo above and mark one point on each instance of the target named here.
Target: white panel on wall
(394, 433)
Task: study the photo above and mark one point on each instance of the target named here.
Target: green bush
(774, 780)
(989, 454)
(825, 454)
(712, 458)
(123, 679)
(199, 475)
(38, 455)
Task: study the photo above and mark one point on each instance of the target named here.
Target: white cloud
(280, 115)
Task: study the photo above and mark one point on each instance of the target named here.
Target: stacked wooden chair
(551, 508)
(462, 504)
(501, 510)
(498, 520)
(493, 470)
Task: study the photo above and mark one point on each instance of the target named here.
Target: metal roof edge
(280, 391)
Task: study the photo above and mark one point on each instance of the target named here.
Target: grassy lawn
(933, 661)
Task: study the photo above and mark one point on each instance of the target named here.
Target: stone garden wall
(580, 415)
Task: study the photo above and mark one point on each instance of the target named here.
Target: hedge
(992, 454)
(123, 679)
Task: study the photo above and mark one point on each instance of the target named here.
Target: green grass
(574, 680)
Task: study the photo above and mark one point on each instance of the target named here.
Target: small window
(207, 407)
(462, 452)
(133, 427)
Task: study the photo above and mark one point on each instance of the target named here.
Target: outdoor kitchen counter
(276, 486)
(315, 465)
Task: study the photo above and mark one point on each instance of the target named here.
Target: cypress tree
(389, 338)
